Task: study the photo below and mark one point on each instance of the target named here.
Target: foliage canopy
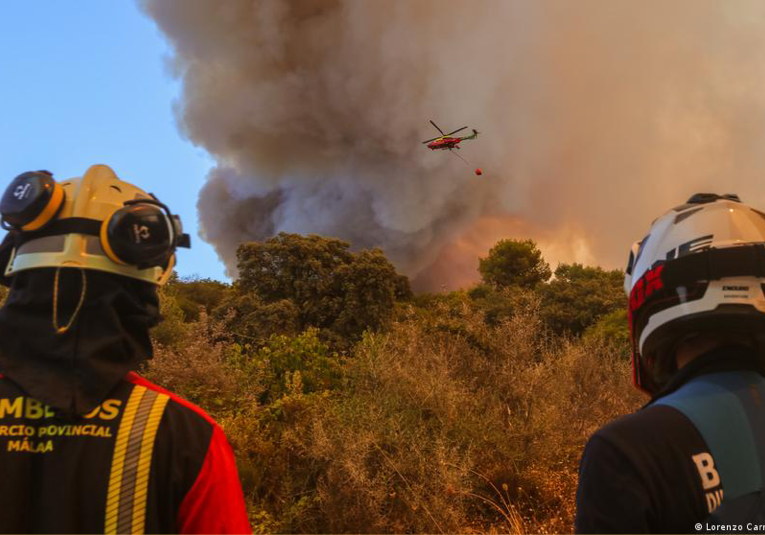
(514, 263)
(612, 327)
(192, 293)
(312, 281)
(579, 295)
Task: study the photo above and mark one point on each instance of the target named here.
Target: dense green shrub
(172, 330)
(193, 294)
(579, 295)
(499, 304)
(298, 364)
(253, 321)
(330, 287)
(514, 263)
(612, 328)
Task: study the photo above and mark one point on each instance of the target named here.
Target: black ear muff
(31, 201)
(139, 234)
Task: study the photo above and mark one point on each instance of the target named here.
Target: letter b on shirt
(706, 465)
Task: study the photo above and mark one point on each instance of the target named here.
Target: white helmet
(700, 268)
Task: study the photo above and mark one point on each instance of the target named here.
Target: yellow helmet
(96, 221)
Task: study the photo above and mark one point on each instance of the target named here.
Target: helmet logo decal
(645, 287)
(22, 191)
(693, 246)
(735, 288)
(141, 233)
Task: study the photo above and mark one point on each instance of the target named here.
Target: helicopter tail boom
(473, 136)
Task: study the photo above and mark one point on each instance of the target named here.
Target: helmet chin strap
(65, 328)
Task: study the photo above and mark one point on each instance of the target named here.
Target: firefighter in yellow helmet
(86, 444)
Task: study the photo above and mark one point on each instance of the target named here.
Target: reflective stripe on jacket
(144, 461)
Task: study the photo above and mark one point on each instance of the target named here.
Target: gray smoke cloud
(595, 117)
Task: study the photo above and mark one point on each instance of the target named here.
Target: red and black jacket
(144, 461)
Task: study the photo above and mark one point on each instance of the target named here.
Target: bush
(207, 370)
(612, 328)
(514, 263)
(467, 414)
(579, 295)
(195, 294)
(279, 473)
(252, 321)
(172, 330)
(300, 364)
(469, 429)
(329, 287)
(500, 304)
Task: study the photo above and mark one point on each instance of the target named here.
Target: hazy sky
(595, 115)
(86, 82)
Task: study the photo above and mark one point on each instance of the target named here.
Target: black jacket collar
(723, 359)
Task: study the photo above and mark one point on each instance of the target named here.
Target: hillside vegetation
(355, 406)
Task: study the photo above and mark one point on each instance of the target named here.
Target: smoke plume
(594, 118)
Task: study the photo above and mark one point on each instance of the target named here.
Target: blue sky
(85, 82)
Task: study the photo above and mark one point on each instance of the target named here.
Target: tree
(337, 291)
(579, 295)
(251, 320)
(514, 263)
(498, 304)
(193, 293)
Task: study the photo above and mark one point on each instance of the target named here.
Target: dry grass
(443, 424)
(202, 368)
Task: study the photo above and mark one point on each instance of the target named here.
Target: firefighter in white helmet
(86, 444)
(692, 459)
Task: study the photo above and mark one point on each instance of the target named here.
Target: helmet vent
(704, 198)
(686, 215)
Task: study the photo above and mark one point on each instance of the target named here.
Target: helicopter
(445, 141)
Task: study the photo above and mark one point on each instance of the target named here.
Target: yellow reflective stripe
(144, 464)
(118, 460)
(131, 464)
(130, 468)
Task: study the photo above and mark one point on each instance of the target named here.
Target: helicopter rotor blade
(434, 124)
(458, 130)
(435, 138)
